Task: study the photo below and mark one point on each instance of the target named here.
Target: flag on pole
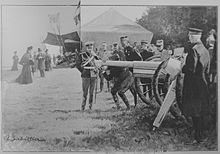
(77, 14)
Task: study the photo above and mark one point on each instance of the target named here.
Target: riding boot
(90, 101)
(83, 103)
(115, 97)
(125, 100)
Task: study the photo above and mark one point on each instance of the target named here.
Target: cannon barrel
(145, 68)
(131, 64)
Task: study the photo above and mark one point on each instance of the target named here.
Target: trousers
(88, 84)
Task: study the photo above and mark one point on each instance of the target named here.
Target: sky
(23, 26)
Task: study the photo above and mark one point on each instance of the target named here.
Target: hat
(159, 42)
(122, 37)
(89, 43)
(38, 49)
(30, 47)
(144, 41)
(115, 43)
(195, 31)
(126, 37)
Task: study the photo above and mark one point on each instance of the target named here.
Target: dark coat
(146, 54)
(41, 61)
(85, 73)
(195, 88)
(132, 54)
(25, 76)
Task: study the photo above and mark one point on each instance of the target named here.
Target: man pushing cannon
(122, 77)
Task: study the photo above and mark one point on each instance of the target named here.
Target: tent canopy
(110, 25)
(69, 41)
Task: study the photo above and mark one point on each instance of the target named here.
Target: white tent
(53, 49)
(110, 25)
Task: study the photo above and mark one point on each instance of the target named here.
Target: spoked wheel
(141, 93)
(160, 84)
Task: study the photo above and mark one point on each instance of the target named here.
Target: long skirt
(25, 76)
(14, 67)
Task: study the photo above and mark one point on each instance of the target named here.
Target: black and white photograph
(109, 76)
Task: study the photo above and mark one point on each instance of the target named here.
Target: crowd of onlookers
(32, 62)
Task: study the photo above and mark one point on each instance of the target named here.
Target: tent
(110, 25)
(69, 41)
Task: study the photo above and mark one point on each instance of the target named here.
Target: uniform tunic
(195, 89)
(88, 80)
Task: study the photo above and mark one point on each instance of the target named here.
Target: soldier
(195, 90)
(130, 53)
(104, 54)
(163, 54)
(144, 51)
(122, 77)
(88, 74)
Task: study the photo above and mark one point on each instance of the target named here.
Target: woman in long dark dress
(15, 62)
(25, 76)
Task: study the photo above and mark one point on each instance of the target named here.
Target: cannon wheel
(174, 109)
(140, 92)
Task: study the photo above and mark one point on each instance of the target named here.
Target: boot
(90, 101)
(116, 101)
(125, 100)
(83, 103)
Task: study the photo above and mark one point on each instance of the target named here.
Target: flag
(77, 14)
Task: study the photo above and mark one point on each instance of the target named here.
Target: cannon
(154, 70)
(168, 70)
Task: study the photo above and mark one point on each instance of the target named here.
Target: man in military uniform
(144, 51)
(131, 54)
(88, 74)
(104, 54)
(195, 100)
(122, 77)
(161, 52)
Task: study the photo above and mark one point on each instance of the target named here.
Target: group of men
(195, 94)
(42, 62)
(121, 78)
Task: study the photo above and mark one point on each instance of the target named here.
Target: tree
(170, 23)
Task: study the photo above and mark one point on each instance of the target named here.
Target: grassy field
(46, 116)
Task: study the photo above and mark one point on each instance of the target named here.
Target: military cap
(126, 37)
(195, 31)
(115, 43)
(89, 43)
(144, 41)
(122, 37)
(30, 47)
(159, 42)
